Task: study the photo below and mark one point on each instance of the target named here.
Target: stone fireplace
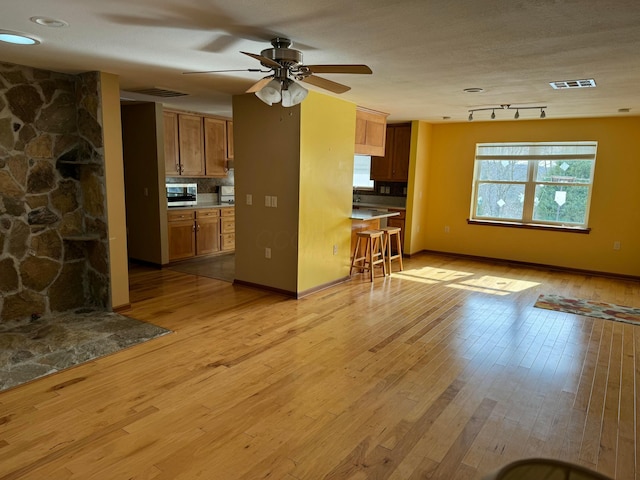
(53, 229)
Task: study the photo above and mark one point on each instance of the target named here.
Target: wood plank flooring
(443, 371)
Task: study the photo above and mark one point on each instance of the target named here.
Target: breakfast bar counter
(367, 219)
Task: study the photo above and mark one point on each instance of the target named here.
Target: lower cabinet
(207, 231)
(202, 231)
(182, 234)
(227, 229)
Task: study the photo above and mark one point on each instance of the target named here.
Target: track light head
(493, 114)
(517, 115)
(542, 113)
(471, 116)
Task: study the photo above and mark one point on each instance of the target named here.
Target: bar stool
(372, 241)
(387, 243)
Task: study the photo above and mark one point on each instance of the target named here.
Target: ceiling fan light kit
(286, 67)
(508, 107)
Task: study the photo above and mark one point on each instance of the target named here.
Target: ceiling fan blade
(224, 71)
(330, 85)
(259, 85)
(363, 69)
(264, 60)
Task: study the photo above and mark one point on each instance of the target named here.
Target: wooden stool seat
(372, 242)
(387, 243)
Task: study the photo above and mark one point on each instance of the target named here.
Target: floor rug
(607, 311)
(31, 349)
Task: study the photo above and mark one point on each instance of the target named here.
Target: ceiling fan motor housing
(281, 53)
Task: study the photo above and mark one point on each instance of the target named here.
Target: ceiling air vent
(159, 92)
(561, 85)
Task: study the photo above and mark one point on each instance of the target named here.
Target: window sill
(531, 226)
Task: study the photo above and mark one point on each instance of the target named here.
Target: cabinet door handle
(198, 227)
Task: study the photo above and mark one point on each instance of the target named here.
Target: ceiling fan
(285, 66)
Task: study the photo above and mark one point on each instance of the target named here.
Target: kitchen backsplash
(382, 200)
(205, 185)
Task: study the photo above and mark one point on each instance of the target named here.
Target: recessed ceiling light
(473, 90)
(17, 38)
(49, 22)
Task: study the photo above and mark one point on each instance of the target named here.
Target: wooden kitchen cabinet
(191, 141)
(195, 145)
(202, 231)
(215, 147)
(370, 132)
(227, 229)
(229, 140)
(171, 152)
(394, 166)
(207, 231)
(182, 234)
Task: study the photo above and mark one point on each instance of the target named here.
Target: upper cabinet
(370, 132)
(191, 141)
(195, 145)
(229, 140)
(394, 166)
(215, 147)
(171, 154)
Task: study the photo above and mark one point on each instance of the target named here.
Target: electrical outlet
(335, 249)
(267, 201)
(249, 199)
(616, 245)
(274, 201)
(146, 192)
(446, 229)
(267, 252)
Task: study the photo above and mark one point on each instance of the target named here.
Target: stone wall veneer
(53, 235)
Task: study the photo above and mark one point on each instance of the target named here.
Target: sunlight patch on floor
(464, 281)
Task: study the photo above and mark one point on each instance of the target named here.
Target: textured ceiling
(423, 53)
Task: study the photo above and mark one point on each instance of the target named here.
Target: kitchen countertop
(376, 206)
(368, 214)
(202, 205)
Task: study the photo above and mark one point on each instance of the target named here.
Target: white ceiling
(423, 53)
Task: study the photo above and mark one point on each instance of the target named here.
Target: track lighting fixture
(543, 114)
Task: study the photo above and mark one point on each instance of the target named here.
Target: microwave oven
(182, 194)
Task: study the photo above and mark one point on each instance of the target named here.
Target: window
(362, 172)
(534, 183)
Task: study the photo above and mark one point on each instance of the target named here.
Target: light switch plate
(249, 199)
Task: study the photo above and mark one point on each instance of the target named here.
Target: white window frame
(531, 182)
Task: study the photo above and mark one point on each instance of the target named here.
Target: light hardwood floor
(445, 371)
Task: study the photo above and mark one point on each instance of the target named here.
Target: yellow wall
(421, 133)
(267, 161)
(614, 215)
(304, 156)
(142, 137)
(114, 179)
(327, 146)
